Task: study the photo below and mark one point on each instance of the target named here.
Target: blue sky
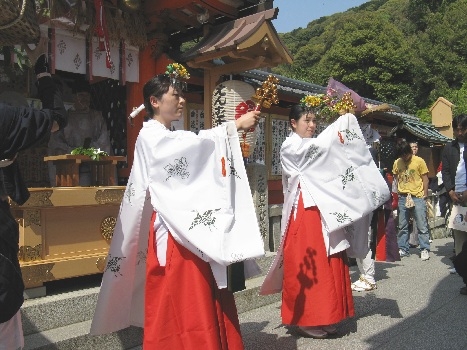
(298, 13)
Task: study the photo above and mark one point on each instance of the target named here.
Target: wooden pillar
(208, 88)
(211, 77)
(148, 67)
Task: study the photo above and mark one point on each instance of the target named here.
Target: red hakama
(184, 309)
(316, 288)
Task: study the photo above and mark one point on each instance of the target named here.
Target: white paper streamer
(136, 111)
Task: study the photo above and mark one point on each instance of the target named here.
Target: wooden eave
(246, 43)
(170, 15)
(408, 123)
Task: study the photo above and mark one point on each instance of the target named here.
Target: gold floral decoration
(177, 71)
(107, 227)
(328, 106)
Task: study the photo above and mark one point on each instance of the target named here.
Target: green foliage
(188, 45)
(459, 99)
(22, 59)
(424, 115)
(403, 52)
(93, 153)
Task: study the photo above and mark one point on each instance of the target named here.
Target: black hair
(403, 148)
(460, 120)
(157, 86)
(297, 111)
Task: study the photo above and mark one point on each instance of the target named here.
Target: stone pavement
(417, 306)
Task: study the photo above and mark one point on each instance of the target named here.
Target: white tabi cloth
(179, 175)
(336, 173)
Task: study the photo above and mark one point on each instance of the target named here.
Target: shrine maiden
(190, 193)
(330, 186)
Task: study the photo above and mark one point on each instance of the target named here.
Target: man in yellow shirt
(411, 173)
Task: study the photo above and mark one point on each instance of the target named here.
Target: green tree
(404, 52)
(459, 99)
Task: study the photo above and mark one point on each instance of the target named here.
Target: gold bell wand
(265, 96)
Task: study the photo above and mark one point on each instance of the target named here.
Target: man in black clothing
(451, 156)
(460, 263)
(20, 128)
(450, 161)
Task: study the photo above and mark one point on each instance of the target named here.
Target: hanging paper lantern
(231, 99)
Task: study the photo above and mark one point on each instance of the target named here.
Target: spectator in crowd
(411, 173)
(460, 199)
(460, 264)
(439, 189)
(453, 157)
(413, 240)
(366, 266)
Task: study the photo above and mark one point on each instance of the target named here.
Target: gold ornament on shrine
(107, 227)
(101, 263)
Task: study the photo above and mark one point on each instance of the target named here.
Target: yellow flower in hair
(328, 106)
(177, 71)
(177, 74)
(312, 101)
(317, 102)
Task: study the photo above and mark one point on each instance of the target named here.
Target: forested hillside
(404, 52)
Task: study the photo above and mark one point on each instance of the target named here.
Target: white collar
(154, 123)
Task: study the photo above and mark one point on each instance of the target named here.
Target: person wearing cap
(21, 128)
(86, 128)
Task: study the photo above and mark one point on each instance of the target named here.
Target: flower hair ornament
(328, 106)
(178, 74)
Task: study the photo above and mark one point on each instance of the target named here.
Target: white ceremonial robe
(198, 186)
(337, 174)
